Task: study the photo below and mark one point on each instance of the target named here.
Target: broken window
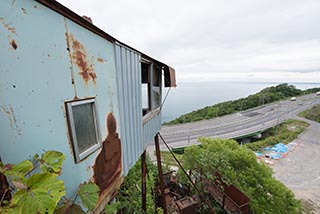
(82, 120)
(151, 87)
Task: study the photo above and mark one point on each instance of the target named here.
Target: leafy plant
(89, 194)
(37, 193)
(43, 192)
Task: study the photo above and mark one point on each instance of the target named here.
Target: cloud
(210, 39)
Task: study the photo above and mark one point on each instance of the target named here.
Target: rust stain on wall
(13, 44)
(7, 26)
(79, 57)
(8, 113)
(70, 57)
(12, 118)
(108, 165)
(101, 60)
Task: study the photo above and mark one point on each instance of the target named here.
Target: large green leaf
(41, 196)
(69, 209)
(52, 161)
(19, 171)
(89, 194)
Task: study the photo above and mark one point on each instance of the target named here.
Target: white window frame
(80, 156)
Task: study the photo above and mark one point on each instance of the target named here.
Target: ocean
(190, 96)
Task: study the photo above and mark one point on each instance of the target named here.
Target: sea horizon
(190, 96)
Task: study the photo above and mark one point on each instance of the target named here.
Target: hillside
(267, 95)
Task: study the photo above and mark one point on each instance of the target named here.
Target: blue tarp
(280, 147)
(275, 156)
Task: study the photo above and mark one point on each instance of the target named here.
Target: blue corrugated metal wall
(130, 104)
(150, 129)
(135, 134)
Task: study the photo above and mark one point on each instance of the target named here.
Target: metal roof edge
(66, 12)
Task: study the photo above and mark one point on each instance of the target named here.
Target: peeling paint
(13, 44)
(108, 165)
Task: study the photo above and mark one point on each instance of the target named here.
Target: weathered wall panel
(52, 60)
(129, 88)
(151, 128)
(46, 60)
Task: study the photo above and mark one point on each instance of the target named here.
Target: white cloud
(219, 40)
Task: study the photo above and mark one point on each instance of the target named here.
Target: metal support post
(164, 205)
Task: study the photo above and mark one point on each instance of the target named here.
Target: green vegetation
(129, 195)
(36, 193)
(284, 133)
(40, 192)
(267, 95)
(168, 160)
(312, 114)
(238, 166)
(43, 192)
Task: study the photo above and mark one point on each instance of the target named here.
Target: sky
(217, 40)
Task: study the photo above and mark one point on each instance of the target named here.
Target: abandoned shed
(66, 85)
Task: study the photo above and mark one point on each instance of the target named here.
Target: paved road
(238, 124)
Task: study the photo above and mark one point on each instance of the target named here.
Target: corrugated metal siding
(129, 90)
(150, 129)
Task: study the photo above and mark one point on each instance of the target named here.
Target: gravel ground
(300, 170)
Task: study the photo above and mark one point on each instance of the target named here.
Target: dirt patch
(300, 171)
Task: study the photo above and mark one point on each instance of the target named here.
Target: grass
(284, 133)
(168, 160)
(312, 114)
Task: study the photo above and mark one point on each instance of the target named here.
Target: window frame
(156, 73)
(148, 87)
(79, 156)
(153, 104)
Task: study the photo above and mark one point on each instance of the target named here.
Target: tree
(238, 166)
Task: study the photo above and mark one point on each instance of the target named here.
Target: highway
(236, 125)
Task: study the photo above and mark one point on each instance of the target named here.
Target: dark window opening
(146, 95)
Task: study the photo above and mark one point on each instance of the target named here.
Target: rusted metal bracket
(190, 179)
